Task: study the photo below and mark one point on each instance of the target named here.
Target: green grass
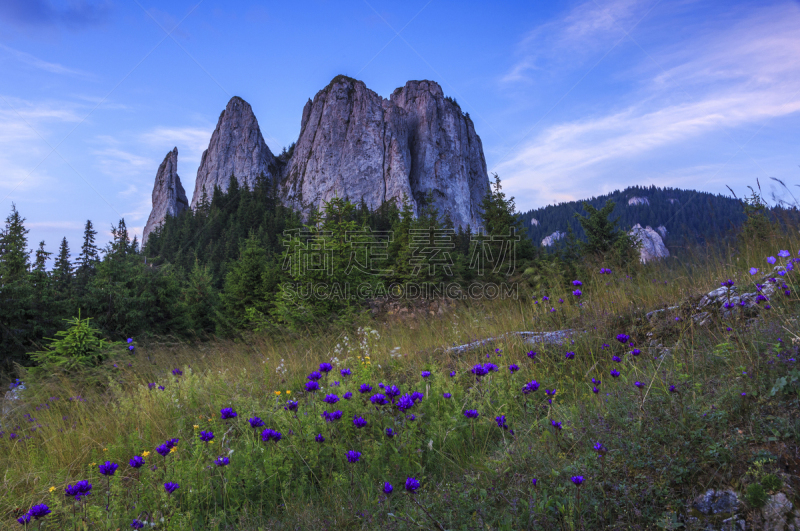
(663, 447)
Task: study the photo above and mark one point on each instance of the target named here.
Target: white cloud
(35, 62)
(743, 76)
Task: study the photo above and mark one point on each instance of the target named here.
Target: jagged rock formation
(638, 201)
(236, 149)
(169, 197)
(662, 230)
(355, 144)
(553, 238)
(652, 245)
(534, 222)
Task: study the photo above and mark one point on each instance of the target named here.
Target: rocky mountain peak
(169, 197)
(236, 149)
(358, 145)
(417, 144)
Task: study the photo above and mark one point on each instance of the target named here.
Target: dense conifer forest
(688, 215)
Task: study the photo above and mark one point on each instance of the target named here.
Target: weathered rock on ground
(169, 197)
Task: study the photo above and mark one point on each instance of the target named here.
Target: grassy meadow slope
(731, 420)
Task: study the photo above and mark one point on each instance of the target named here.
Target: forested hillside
(688, 215)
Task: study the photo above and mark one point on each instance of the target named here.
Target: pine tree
(62, 269)
(14, 253)
(89, 256)
(42, 256)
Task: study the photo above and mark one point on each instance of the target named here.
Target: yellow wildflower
(105, 449)
(288, 392)
(92, 464)
(52, 489)
(210, 420)
(277, 393)
(173, 449)
(145, 453)
(196, 426)
(210, 442)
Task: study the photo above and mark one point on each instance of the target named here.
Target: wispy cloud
(724, 79)
(75, 15)
(40, 64)
(577, 35)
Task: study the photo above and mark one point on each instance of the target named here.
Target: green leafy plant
(771, 482)
(756, 495)
(77, 347)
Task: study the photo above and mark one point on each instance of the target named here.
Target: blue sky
(571, 99)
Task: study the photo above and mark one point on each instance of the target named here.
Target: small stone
(716, 502)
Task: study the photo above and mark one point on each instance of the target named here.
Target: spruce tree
(89, 256)
(62, 269)
(14, 253)
(42, 256)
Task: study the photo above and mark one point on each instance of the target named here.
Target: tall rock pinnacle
(169, 197)
(236, 149)
(355, 144)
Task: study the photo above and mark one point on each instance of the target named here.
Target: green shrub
(77, 347)
(771, 482)
(756, 495)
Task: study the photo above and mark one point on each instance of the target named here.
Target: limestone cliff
(236, 149)
(169, 197)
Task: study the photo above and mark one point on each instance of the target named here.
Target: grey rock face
(169, 197)
(355, 144)
(236, 149)
(638, 201)
(553, 238)
(652, 245)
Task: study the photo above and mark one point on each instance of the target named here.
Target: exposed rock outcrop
(652, 246)
(169, 197)
(236, 149)
(534, 222)
(638, 201)
(662, 230)
(354, 143)
(553, 238)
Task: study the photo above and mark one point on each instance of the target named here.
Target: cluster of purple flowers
(108, 468)
(353, 456)
(471, 413)
(207, 436)
(330, 417)
(79, 490)
(379, 399)
(530, 387)
(271, 435)
(330, 399)
(605, 271)
(35, 512)
(227, 413)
